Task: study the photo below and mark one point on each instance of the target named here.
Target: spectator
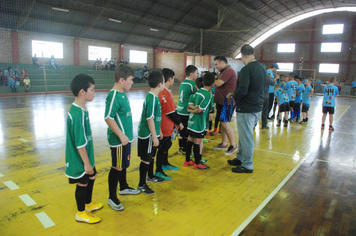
(138, 77)
(112, 64)
(35, 62)
(144, 68)
(17, 75)
(53, 63)
(26, 83)
(11, 79)
(104, 66)
(2, 78)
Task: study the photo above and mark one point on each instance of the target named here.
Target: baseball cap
(275, 65)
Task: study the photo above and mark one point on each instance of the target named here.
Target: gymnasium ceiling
(224, 24)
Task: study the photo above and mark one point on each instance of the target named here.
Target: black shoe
(269, 118)
(234, 162)
(272, 117)
(265, 127)
(241, 169)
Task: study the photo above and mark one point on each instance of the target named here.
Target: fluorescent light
(114, 20)
(60, 9)
(154, 30)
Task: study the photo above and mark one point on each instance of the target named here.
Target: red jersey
(167, 107)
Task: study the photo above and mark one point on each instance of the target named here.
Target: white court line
(45, 220)
(1, 175)
(27, 200)
(23, 140)
(264, 203)
(322, 160)
(11, 185)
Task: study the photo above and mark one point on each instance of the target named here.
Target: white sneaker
(114, 206)
(129, 191)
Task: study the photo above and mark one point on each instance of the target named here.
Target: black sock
(150, 169)
(184, 144)
(80, 197)
(307, 119)
(89, 191)
(197, 155)
(143, 173)
(188, 151)
(180, 143)
(122, 179)
(113, 180)
(159, 159)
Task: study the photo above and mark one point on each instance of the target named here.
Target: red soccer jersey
(167, 107)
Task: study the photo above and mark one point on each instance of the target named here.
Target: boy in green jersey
(199, 121)
(149, 130)
(80, 163)
(120, 134)
(186, 88)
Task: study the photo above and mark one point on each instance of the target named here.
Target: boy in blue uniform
(79, 154)
(118, 116)
(291, 87)
(306, 101)
(354, 87)
(149, 130)
(330, 91)
(298, 97)
(283, 102)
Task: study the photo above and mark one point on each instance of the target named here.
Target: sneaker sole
(91, 210)
(130, 193)
(116, 208)
(83, 221)
(218, 148)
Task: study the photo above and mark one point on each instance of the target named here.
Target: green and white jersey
(198, 122)
(78, 136)
(186, 88)
(151, 109)
(117, 107)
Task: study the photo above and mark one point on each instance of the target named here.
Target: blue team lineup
(256, 92)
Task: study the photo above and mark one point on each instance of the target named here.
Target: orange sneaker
(190, 163)
(201, 167)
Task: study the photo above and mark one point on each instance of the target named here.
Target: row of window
(323, 67)
(44, 49)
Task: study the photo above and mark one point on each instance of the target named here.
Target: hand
(211, 116)
(124, 140)
(155, 142)
(181, 126)
(160, 135)
(88, 169)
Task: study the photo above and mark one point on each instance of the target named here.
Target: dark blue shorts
(284, 107)
(305, 107)
(120, 156)
(331, 110)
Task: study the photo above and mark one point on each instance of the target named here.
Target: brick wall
(5, 46)
(173, 61)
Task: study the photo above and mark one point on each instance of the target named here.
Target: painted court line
(23, 140)
(45, 220)
(27, 200)
(269, 197)
(11, 185)
(337, 119)
(1, 175)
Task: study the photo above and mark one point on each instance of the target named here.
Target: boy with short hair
(330, 92)
(186, 88)
(170, 120)
(298, 97)
(198, 122)
(118, 117)
(149, 130)
(283, 102)
(306, 101)
(291, 87)
(80, 163)
(26, 83)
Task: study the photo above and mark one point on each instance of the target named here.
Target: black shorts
(145, 149)
(331, 110)
(184, 120)
(284, 107)
(296, 106)
(291, 104)
(120, 156)
(219, 109)
(305, 107)
(84, 179)
(275, 101)
(194, 134)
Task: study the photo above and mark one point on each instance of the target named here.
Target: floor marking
(23, 140)
(322, 160)
(45, 220)
(264, 203)
(27, 200)
(11, 185)
(341, 164)
(1, 175)
(336, 120)
(274, 152)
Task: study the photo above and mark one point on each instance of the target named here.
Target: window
(285, 66)
(331, 47)
(98, 52)
(286, 47)
(329, 68)
(333, 29)
(138, 56)
(47, 49)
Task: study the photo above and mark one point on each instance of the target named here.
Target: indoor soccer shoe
(331, 128)
(201, 167)
(129, 191)
(145, 189)
(155, 179)
(169, 167)
(86, 217)
(93, 206)
(162, 175)
(115, 206)
(203, 160)
(190, 163)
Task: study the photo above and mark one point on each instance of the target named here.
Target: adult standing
(225, 83)
(249, 94)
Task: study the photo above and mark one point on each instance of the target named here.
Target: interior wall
(173, 61)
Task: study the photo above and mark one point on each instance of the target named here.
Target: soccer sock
(113, 179)
(188, 151)
(89, 191)
(307, 119)
(292, 115)
(180, 143)
(80, 197)
(197, 155)
(184, 144)
(122, 179)
(150, 169)
(159, 159)
(143, 173)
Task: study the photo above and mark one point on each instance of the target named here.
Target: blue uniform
(282, 96)
(300, 90)
(354, 84)
(291, 87)
(306, 100)
(270, 88)
(330, 91)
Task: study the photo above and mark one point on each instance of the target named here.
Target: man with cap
(271, 72)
